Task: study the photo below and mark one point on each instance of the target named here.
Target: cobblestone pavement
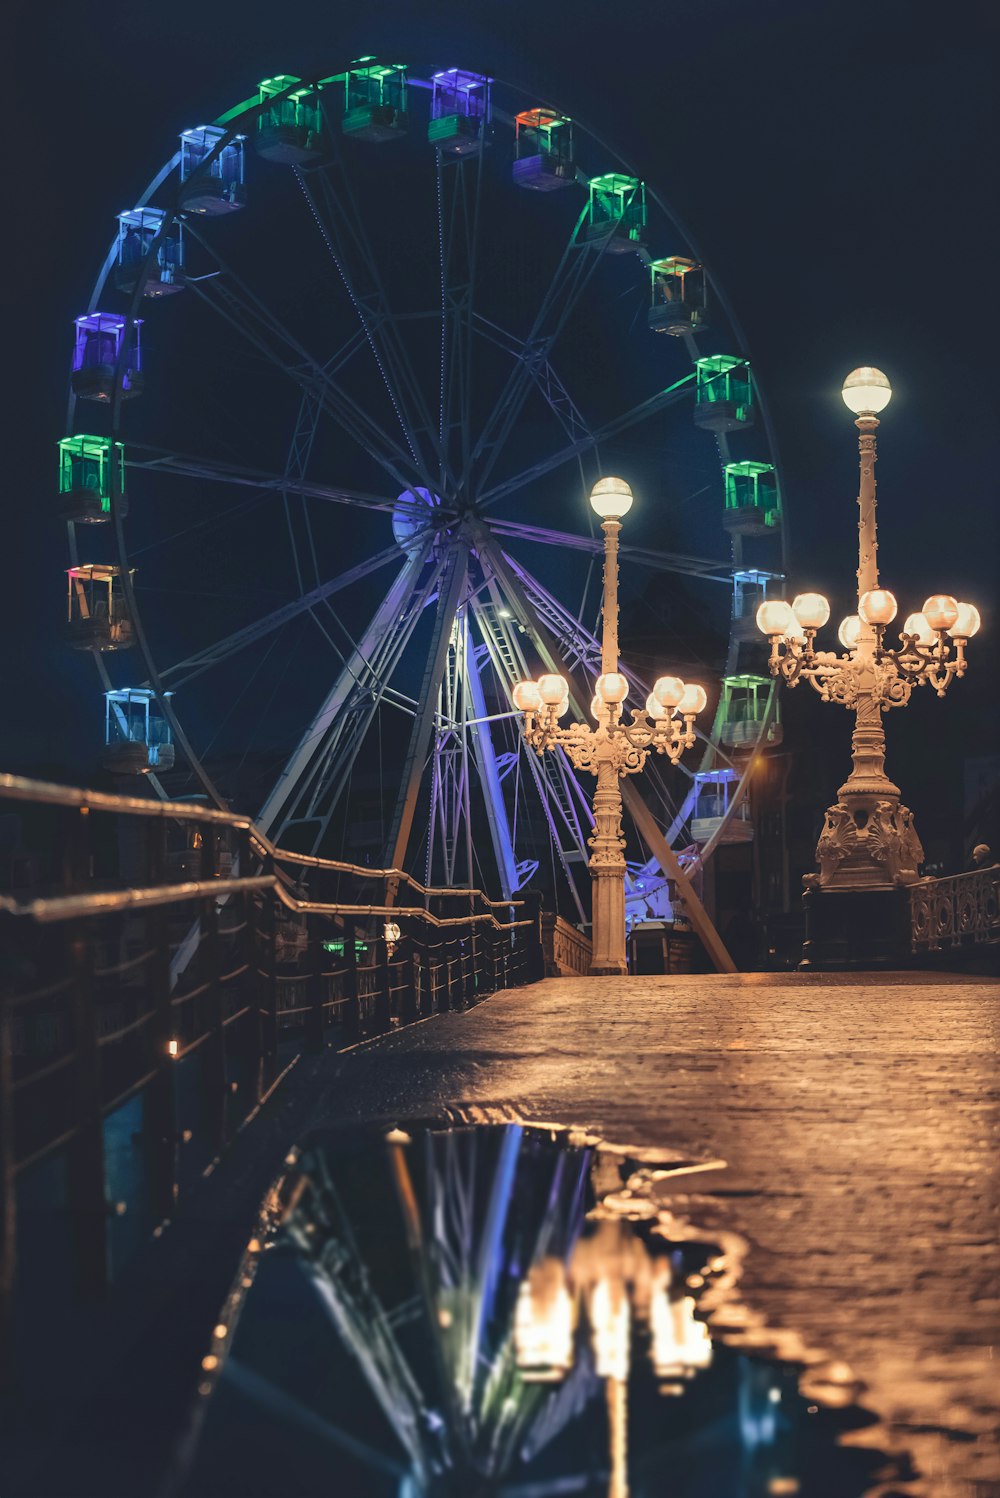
(859, 1117)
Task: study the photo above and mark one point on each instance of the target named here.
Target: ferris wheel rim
(245, 114)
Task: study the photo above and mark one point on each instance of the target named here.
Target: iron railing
(169, 961)
(960, 911)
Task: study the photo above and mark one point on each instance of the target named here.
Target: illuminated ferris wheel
(407, 321)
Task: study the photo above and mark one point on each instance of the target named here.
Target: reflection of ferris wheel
(443, 292)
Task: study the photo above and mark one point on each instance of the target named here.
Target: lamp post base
(856, 928)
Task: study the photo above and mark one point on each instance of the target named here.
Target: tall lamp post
(614, 748)
(868, 846)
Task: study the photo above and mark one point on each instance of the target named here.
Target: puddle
(510, 1311)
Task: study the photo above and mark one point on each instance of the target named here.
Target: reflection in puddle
(504, 1310)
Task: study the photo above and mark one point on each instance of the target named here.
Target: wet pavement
(507, 1311)
(859, 1119)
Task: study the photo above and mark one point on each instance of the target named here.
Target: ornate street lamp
(868, 842)
(614, 748)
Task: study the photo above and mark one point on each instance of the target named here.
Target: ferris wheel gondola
(448, 422)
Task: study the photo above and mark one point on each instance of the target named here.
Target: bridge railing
(957, 912)
(163, 972)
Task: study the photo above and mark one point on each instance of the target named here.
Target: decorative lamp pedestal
(856, 928)
(857, 906)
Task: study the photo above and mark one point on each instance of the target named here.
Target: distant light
(173, 1047)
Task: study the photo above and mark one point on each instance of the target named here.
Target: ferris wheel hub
(413, 516)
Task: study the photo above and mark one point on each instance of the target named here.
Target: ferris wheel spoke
(214, 655)
(573, 274)
(662, 561)
(546, 378)
(314, 777)
(454, 574)
(237, 305)
(484, 752)
(341, 227)
(458, 202)
(633, 417)
(158, 460)
(559, 794)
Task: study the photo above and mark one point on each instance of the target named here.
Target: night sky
(835, 162)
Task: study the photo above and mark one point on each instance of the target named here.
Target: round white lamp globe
(668, 690)
(612, 688)
(850, 629)
(775, 617)
(695, 700)
(916, 624)
(877, 606)
(611, 498)
(811, 610)
(866, 391)
(552, 689)
(527, 697)
(967, 623)
(941, 611)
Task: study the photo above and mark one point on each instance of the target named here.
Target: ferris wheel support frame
(640, 813)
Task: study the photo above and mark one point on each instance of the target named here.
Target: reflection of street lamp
(868, 840)
(544, 1321)
(613, 748)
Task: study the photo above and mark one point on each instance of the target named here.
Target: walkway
(860, 1118)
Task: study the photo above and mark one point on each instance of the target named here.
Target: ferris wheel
(334, 506)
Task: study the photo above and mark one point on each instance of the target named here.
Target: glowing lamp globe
(694, 700)
(611, 498)
(561, 708)
(612, 688)
(668, 690)
(941, 611)
(916, 624)
(596, 707)
(526, 696)
(866, 391)
(811, 610)
(877, 606)
(967, 623)
(552, 689)
(850, 629)
(775, 617)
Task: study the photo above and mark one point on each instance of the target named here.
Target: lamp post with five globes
(868, 841)
(614, 748)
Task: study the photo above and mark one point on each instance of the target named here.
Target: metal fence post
(534, 961)
(473, 947)
(409, 1008)
(87, 1189)
(352, 1021)
(383, 1000)
(314, 1018)
(210, 967)
(269, 967)
(161, 1112)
